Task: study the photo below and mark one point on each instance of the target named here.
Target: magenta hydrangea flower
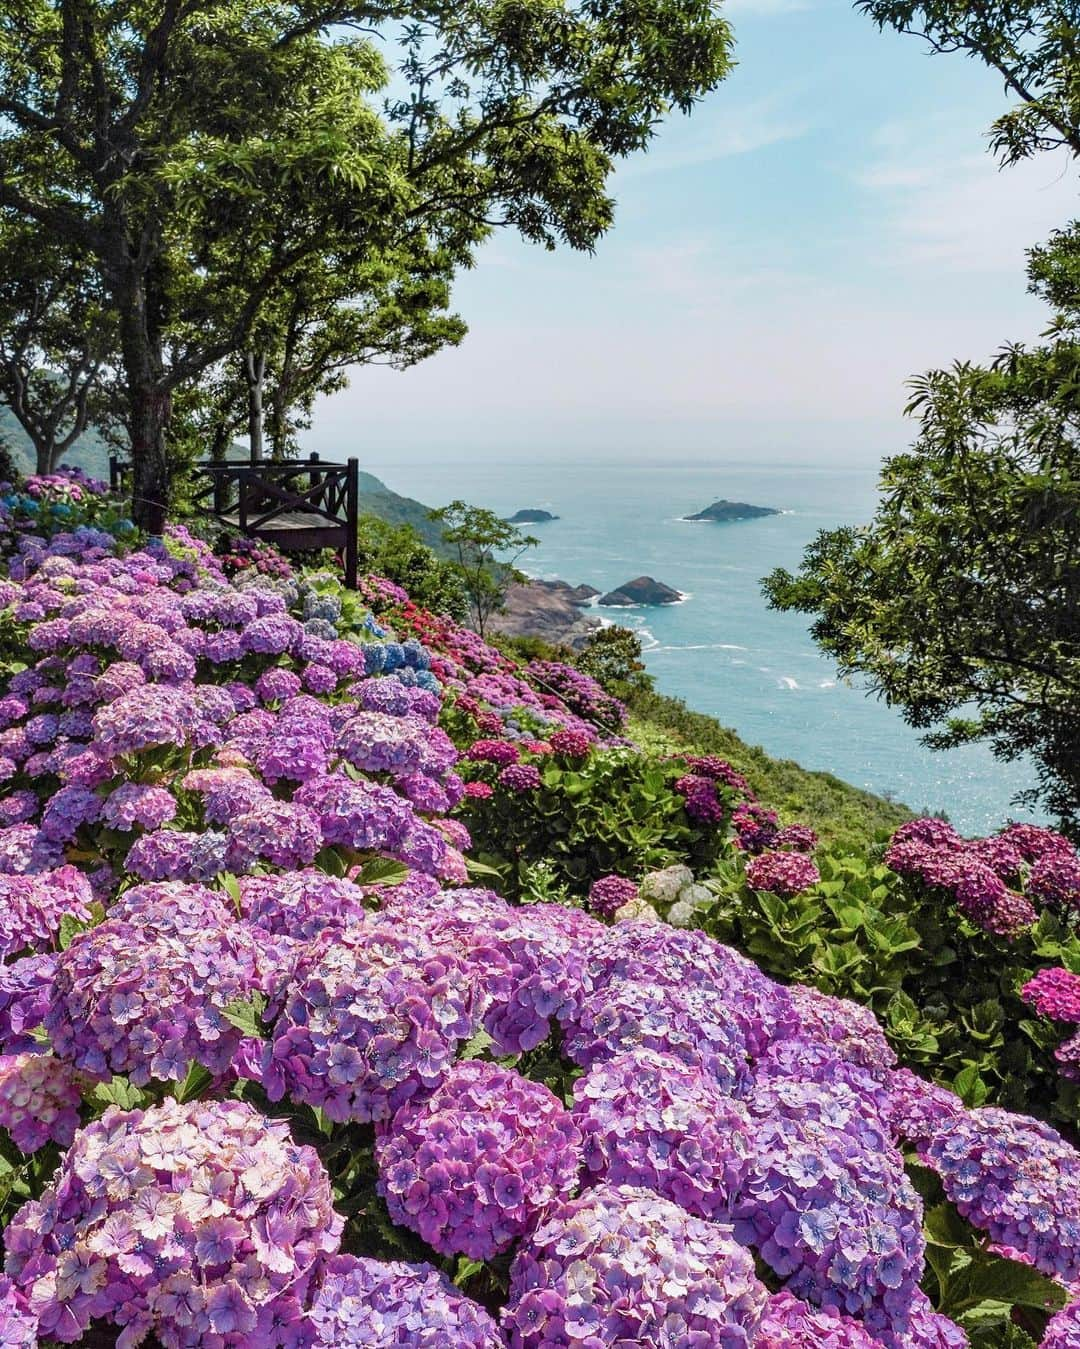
(1033, 841)
(520, 777)
(1016, 1179)
(649, 1120)
(574, 743)
(702, 803)
(499, 752)
(608, 894)
(1055, 879)
(782, 873)
(1054, 992)
(624, 1266)
(471, 1166)
(199, 1224)
(797, 838)
(39, 1100)
(369, 1304)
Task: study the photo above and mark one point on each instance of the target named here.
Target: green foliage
(960, 603)
(477, 535)
(615, 811)
(397, 552)
(999, 1302)
(1032, 46)
(612, 656)
(212, 163)
(946, 993)
(841, 814)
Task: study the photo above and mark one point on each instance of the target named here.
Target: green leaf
(194, 1084)
(970, 1087)
(382, 871)
(231, 886)
(476, 868)
(120, 1092)
(480, 1042)
(70, 928)
(246, 1015)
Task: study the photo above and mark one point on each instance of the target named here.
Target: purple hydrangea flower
(368, 1019)
(197, 1223)
(624, 1266)
(471, 1166)
(146, 999)
(1016, 1179)
(369, 1304)
(39, 1100)
(650, 1120)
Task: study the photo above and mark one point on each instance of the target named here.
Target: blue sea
(722, 649)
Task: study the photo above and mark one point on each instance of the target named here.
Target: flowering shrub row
(231, 1049)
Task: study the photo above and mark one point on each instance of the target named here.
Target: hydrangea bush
(252, 1015)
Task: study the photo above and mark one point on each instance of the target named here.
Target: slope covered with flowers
(275, 1072)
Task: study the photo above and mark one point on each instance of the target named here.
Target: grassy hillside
(377, 499)
(839, 812)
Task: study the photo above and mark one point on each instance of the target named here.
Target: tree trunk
(148, 421)
(278, 426)
(43, 455)
(255, 373)
(149, 399)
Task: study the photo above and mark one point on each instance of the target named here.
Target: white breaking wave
(705, 646)
(788, 682)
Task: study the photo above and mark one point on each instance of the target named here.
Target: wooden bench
(299, 505)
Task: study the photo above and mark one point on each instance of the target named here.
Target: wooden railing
(298, 504)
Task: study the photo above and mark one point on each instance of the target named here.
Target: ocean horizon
(722, 649)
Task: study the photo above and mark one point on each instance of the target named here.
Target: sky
(826, 224)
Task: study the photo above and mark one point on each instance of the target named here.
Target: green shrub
(398, 553)
(614, 811)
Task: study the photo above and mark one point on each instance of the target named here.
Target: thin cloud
(764, 8)
(719, 132)
(959, 210)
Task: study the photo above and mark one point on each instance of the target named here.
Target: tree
(55, 337)
(398, 553)
(477, 535)
(960, 603)
(612, 656)
(1034, 47)
(205, 152)
(304, 346)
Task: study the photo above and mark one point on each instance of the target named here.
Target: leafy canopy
(477, 536)
(960, 603)
(1034, 47)
(207, 154)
